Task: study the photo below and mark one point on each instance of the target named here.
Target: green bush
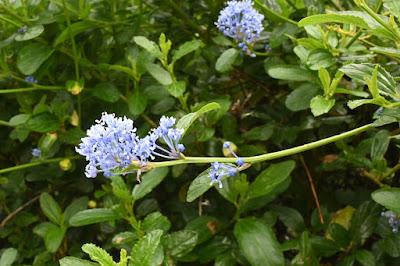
(300, 124)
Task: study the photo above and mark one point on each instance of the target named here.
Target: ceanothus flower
(111, 143)
(393, 220)
(36, 152)
(30, 79)
(240, 21)
(220, 170)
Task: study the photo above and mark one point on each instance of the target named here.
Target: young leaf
(320, 105)
(155, 221)
(137, 102)
(325, 79)
(72, 261)
(144, 250)
(177, 88)
(149, 181)
(226, 59)
(257, 242)
(92, 216)
(98, 254)
(50, 208)
(290, 73)
(73, 30)
(120, 189)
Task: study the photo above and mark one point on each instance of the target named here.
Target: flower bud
(227, 149)
(74, 87)
(74, 119)
(65, 164)
(92, 204)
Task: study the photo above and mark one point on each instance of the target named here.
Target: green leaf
(380, 144)
(177, 88)
(363, 222)
(259, 133)
(205, 226)
(155, 221)
(325, 79)
(50, 208)
(149, 181)
(186, 48)
(199, 186)
(226, 59)
(300, 98)
(148, 45)
(145, 249)
(291, 218)
(159, 74)
(388, 197)
(137, 102)
(320, 105)
(120, 189)
(43, 122)
(290, 73)
(269, 179)
(8, 257)
(257, 242)
(31, 33)
(320, 58)
(107, 92)
(187, 120)
(73, 30)
(98, 254)
(52, 235)
(356, 18)
(72, 261)
(32, 56)
(365, 257)
(360, 73)
(75, 206)
(393, 6)
(93, 216)
(19, 119)
(180, 243)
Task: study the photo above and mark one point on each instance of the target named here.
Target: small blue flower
(393, 220)
(171, 136)
(36, 152)
(30, 79)
(240, 21)
(22, 30)
(228, 145)
(220, 170)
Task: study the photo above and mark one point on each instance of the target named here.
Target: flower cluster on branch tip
(112, 144)
(240, 21)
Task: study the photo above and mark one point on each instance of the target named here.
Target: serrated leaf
(155, 221)
(186, 48)
(50, 208)
(72, 261)
(92, 216)
(149, 181)
(98, 254)
(43, 122)
(144, 249)
(226, 59)
(257, 242)
(32, 56)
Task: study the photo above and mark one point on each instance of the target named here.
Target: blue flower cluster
(393, 220)
(36, 152)
(240, 21)
(220, 170)
(112, 144)
(30, 79)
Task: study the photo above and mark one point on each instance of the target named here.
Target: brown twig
(314, 192)
(16, 211)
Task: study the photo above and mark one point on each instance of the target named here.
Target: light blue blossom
(30, 79)
(228, 145)
(220, 170)
(36, 152)
(111, 143)
(171, 136)
(240, 21)
(393, 220)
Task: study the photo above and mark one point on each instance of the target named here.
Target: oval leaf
(32, 56)
(92, 216)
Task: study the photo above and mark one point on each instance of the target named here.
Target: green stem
(35, 163)
(391, 171)
(272, 14)
(267, 156)
(5, 123)
(353, 39)
(48, 88)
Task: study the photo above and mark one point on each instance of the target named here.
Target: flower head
(393, 220)
(30, 79)
(111, 143)
(171, 136)
(240, 21)
(220, 170)
(36, 152)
